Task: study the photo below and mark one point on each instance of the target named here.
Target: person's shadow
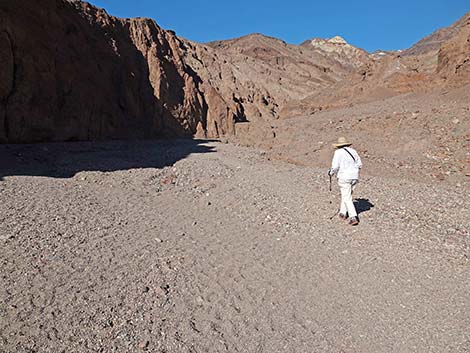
(362, 205)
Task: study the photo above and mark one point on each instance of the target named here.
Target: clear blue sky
(369, 24)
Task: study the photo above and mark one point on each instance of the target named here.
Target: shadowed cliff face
(71, 72)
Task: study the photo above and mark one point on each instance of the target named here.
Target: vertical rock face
(7, 77)
(72, 72)
(454, 55)
(69, 79)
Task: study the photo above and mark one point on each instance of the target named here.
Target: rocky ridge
(345, 53)
(430, 65)
(73, 72)
(454, 57)
(435, 40)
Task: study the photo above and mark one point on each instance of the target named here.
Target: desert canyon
(159, 194)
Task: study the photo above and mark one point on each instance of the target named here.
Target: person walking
(346, 164)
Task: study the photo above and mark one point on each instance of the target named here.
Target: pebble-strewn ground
(194, 246)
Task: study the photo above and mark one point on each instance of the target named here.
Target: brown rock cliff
(72, 72)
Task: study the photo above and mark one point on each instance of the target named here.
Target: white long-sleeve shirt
(344, 165)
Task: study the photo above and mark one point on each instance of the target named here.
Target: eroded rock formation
(70, 71)
(454, 55)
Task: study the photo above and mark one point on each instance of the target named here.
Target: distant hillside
(436, 39)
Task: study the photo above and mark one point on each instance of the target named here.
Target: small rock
(159, 292)
(144, 344)
(158, 240)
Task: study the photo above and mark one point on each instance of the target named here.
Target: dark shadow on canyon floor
(64, 160)
(363, 205)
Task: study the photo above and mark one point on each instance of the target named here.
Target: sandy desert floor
(200, 246)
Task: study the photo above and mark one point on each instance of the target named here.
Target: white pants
(347, 187)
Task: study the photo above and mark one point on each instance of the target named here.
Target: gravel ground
(199, 246)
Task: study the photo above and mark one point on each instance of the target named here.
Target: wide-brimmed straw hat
(342, 142)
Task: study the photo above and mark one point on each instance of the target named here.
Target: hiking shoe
(354, 221)
(343, 217)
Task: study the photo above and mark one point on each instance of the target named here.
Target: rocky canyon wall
(72, 72)
(69, 71)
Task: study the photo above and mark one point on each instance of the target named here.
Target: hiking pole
(336, 212)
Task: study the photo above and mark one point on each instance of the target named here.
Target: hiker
(346, 165)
